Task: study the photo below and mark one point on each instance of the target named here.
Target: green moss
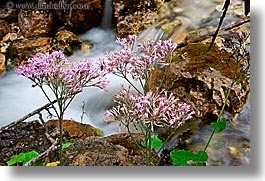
(201, 59)
(98, 131)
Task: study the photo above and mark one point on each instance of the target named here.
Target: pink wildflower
(63, 77)
(158, 109)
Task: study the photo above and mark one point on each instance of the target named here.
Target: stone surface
(4, 28)
(67, 41)
(9, 15)
(202, 80)
(2, 63)
(114, 150)
(21, 49)
(23, 137)
(76, 129)
(132, 17)
(83, 18)
(37, 22)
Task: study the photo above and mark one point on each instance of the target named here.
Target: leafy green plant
(64, 78)
(155, 142)
(219, 126)
(66, 145)
(24, 158)
(186, 158)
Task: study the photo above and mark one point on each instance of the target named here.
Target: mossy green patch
(201, 58)
(98, 131)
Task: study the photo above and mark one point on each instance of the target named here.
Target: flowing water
(18, 98)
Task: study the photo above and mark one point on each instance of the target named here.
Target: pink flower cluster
(160, 109)
(138, 61)
(62, 76)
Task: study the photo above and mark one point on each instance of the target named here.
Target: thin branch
(27, 116)
(225, 8)
(203, 37)
(44, 154)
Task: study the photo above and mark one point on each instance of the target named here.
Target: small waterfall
(107, 15)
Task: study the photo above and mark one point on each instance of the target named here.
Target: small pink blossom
(138, 60)
(65, 78)
(158, 109)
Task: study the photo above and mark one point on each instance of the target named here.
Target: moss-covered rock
(67, 41)
(202, 78)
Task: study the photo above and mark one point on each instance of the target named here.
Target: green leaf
(39, 163)
(66, 145)
(155, 142)
(13, 160)
(22, 158)
(29, 155)
(219, 126)
(202, 155)
(180, 157)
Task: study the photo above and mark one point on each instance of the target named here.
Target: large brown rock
(2, 63)
(20, 50)
(76, 129)
(23, 137)
(202, 79)
(132, 17)
(86, 15)
(37, 22)
(67, 41)
(4, 28)
(114, 150)
(9, 15)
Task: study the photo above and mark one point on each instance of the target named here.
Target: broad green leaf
(220, 125)
(180, 157)
(21, 157)
(155, 142)
(66, 145)
(202, 155)
(29, 155)
(13, 160)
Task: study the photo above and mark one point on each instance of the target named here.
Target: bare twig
(46, 128)
(27, 116)
(44, 154)
(203, 37)
(225, 8)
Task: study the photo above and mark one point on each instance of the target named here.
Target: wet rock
(132, 17)
(170, 27)
(202, 80)
(86, 47)
(86, 15)
(230, 147)
(4, 28)
(10, 37)
(24, 137)
(76, 129)
(20, 50)
(114, 150)
(37, 22)
(2, 63)
(67, 41)
(9, 15)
